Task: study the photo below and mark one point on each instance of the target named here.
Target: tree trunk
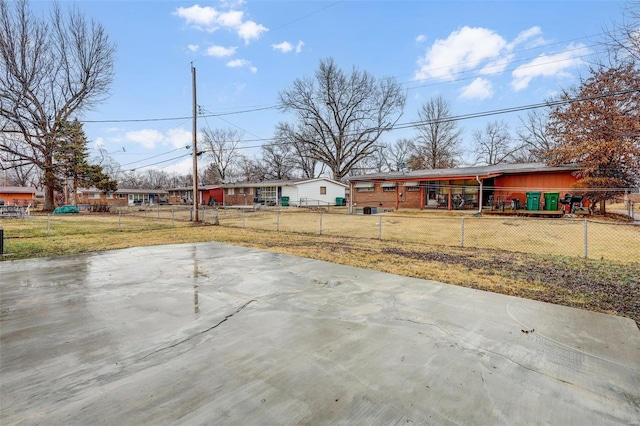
(603, 208)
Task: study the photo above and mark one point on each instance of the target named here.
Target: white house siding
(309, 192)
(292, 193)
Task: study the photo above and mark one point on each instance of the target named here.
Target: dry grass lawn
(602, 285)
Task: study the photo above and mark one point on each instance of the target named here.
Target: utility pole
(195, 146)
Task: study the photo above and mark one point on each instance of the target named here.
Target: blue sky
(478, 55)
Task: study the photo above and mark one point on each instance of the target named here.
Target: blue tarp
(66, 209)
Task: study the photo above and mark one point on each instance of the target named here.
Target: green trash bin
(285, 201)
(533, 200)
(551, 200)
(340, 201)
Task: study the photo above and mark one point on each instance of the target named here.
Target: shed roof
(17, 189)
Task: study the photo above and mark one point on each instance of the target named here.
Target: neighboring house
(18, 195)
(123, 196)
(466, 187)
(295, 192)
(208, 194)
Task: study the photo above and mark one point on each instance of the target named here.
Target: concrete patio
(216, 334)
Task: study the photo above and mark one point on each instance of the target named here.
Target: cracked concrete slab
(216, 334)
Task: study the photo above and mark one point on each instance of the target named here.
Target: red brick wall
(386, 199)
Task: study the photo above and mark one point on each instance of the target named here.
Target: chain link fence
(586, 238)
(574, 237)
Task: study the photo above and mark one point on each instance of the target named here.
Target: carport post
(380, 227)
(586, 245)
(462, 233)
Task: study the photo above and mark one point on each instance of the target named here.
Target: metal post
(48, 225)
(158, 211)
(320, 223)
(1, 241)
(119, 219)
(586, 245)
(173, 223)
(462, 233)
(243, 218)
(278, 221)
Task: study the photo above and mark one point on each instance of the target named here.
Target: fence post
(586, 245)
(278, 221)
(380, 227)
(119, 224)
(320, 223)
(462, 232)
(48, 225)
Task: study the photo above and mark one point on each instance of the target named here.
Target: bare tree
(625, 37)
(249, 170)
(534, 138)
(437, 145)
(305, 162)
(222, 146)
(51, 69)
(344, 114)
(398, 154)
(494, 145)
(278, 161)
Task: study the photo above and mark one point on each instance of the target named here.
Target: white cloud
(148, 138)
(200, 17)
(421, 38)
(555, 65)
(464, 49)
(220, 51)
(480, 88)
(284, 47)
(209, 19)
(526, 35)
(242, 63)
(179, 137)
(193, 47)
(250, 30)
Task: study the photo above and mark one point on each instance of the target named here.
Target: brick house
(458, 188)
(123, 197)
(18, 195)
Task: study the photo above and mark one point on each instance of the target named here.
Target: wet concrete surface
(216, 334)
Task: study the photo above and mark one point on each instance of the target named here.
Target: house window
(110, 195)
(121, 196)
(230, 191)
(364, 186)
(323, 190)
(94, 195)
(388, 186)
(412, 186)
(250, 191)
(240, 191)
